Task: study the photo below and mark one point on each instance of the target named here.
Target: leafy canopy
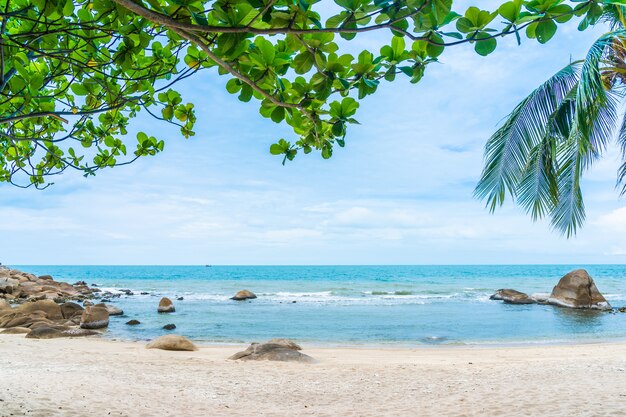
(74, 73)
(540, 153)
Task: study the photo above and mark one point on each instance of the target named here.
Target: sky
(400, 192)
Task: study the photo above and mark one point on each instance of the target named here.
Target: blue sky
(399, 193)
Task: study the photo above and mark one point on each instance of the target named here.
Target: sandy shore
(93, 377)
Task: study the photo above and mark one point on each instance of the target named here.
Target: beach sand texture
(93, 377)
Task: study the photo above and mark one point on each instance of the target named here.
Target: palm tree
(556, 133)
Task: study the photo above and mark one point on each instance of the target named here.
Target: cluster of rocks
(45, 319)
(17, 286)
(574, 290)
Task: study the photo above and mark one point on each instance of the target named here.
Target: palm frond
(569, 212)
(507, 152)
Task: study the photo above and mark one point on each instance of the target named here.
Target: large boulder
(283, 350)
(172, 342)
(243, 295)
(510, 296)
(577, 290)
(69, 309)
(57, 332)
(166, 306)
(94, 318)
(52, 309)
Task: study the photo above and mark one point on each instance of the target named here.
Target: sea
(351, 305)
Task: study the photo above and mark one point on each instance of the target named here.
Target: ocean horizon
(396, 305)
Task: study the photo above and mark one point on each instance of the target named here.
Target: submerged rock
(577, 290)
(172, 342)
(94, 317)
(282, 350)
(243, 295)
(133, 322)
(166, 306)
(170, 326)
(512, 297)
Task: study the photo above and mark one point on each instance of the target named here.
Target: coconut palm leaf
(508, 151)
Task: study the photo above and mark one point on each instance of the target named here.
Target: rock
(283, 351)
(79, 283)
(172, 342)
(5, 307)
(87, 303)
(57, 332)
(243, 295)
(290, 344)
(169, 326)
(113, 310)
(69, 309)
(46, 277)
(52, 309)
(577, 290)
(180, 298)
(8, 285)
(512, 297)
(144, 293)
(127, 292)
(540, 297)
(166, 306)
(18, 321)
(16, 330)
(133, 322)
(94, 318)
(622, 309)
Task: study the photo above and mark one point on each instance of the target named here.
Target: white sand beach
(94, 377)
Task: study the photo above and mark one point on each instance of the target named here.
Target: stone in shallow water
(577, 290)
(133, 322)
(243, 295)
(512, 297)
(166, 306)
(170, 326)
(172, 342)
(94, 317)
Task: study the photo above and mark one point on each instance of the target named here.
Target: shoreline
(95, 376)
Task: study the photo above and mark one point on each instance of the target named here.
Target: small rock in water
(144, 293)
(243, 295)
(622, 309)
(180, 298)
(170, 326)
(133, 322)
(105, 300)
(293, 302)
(127, 292)
(166, 306)
(87, 303)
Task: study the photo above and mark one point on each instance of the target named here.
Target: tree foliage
(74, 73)
(540, 153)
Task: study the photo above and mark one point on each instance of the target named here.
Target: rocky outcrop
(50, 308)
(574, 290)
(577, 290)
(510, 296)
(166, 306)
(243, 295)
(283, 350)
(18, 286)
(172, 342)
(71, 309)
(94, 317)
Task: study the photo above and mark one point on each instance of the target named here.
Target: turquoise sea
(398, 305)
